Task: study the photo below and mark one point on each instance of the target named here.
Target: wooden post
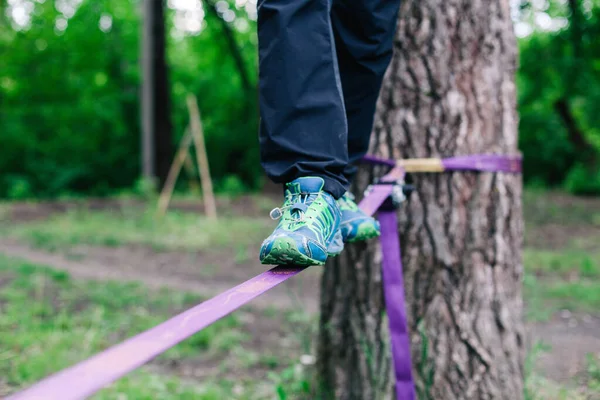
(198, 137)
(180, 158)
(147, 94)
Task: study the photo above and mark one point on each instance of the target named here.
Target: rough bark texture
(449, 91)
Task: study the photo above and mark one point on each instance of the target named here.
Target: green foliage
(18, 188)
(69, 104)
(583, 180)
(561, 69)
(232, 185)
(69, 100)
(145, 188)
(70, 82)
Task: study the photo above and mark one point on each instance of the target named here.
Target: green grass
(557, 280)
(593, 371)
(540, 388)
(4, 210)
(175, 231)
(563, 263)
(542, 207)
(46, 312)
(49, 322)
(561, 272)
(546, 296)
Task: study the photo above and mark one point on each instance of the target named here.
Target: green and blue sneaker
(356, 225)
(308, 230)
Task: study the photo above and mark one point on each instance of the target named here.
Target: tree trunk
(450, 90)
(157, 143)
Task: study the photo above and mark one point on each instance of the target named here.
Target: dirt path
(570, 338)
(207, 275)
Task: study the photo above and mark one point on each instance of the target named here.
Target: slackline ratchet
(384, 196)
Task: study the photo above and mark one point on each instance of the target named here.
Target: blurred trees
(70, 87)
(70, 91)
(559, 97)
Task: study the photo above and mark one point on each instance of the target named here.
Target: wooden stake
(167, 191)
(147, 95)
(198, 137)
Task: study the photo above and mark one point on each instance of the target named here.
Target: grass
(46, 313)
(175, 231)
(593, 371)
(546, 298)
(558, 280)
(561, 273)
(564, 264)
(565, 277)
(49, 322)
(540, 388)
(544, 207)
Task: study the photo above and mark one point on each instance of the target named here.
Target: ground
(79, 275)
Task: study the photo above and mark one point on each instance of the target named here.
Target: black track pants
(321, 63)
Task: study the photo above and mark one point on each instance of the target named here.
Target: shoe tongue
(306, 185)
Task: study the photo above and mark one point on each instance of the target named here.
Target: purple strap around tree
(89, 376)
(483, 162)
(478, 162)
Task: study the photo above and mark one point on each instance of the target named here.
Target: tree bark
(450, 90)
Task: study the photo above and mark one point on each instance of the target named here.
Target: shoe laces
(298, 206)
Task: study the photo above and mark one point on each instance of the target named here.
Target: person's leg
(303, 129)
(364, 32)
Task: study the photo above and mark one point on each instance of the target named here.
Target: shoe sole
(285, 252)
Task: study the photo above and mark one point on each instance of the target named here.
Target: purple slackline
(91, 375)
(87, 377)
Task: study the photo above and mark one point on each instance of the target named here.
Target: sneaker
(308, 230)
(356, 225)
